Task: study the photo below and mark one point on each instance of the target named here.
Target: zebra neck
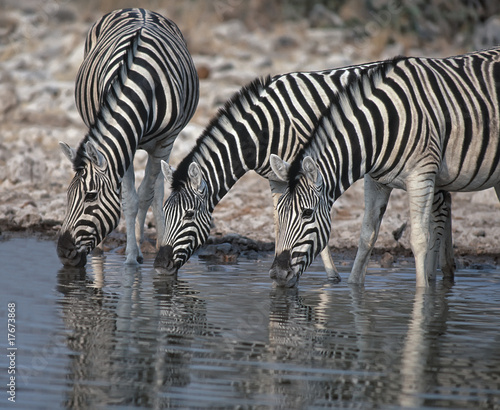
(119, 153)
(221, 169)
(118, 125)
(341, 159)
(230, 146)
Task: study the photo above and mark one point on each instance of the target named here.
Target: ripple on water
(222, 335)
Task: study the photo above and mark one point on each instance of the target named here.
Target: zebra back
(135, 60)
(411, 112)
(108, 47)
(270, 115)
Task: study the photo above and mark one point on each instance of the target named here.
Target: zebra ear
(280, 169)
(195, 175)
(94, 154)
(167, 171)
(69, 152)
(310, 170)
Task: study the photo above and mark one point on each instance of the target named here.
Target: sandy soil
(40, 52)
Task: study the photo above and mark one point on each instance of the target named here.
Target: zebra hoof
(131, 260)
(333, 277)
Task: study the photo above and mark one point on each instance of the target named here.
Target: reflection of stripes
(420, 124)
(136, 88)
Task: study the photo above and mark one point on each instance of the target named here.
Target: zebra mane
(344, 97)
(253, 89)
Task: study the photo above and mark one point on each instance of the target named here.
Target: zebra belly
(470, 177)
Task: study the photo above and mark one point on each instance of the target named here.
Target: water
(221, 336)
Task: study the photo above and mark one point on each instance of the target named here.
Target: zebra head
(187, 220)
(93, 205)
(304, 221)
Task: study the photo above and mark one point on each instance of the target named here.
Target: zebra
(269, 115)
(419, 124)
(136, 89)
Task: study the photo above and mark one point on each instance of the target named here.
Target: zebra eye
(307, 213)
(90, 196)
(189, 215)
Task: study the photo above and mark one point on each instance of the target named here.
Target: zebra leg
(376, 199)
(446, 257)
(145, 192)
(330, 268)
(130, 205)
(151, 192)
(158, 207)
(437, 229)
(421, 196)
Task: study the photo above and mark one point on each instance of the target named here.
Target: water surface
(221, 336)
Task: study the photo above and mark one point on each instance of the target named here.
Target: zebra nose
(281, 270)
(164, 262)
(68, 253)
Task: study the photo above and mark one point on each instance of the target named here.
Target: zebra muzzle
(68, 253)
(164, 262)
(281, 270)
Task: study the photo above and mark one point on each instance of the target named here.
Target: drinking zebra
(419, 124)
(136, 89)
(268, 116)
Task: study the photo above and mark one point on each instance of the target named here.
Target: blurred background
(232, 42)
(413, 23)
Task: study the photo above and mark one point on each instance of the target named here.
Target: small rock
(207, 252)
(64, 14)
(284, 42)
(250, 254)
(481, 233)
(386, 261)
(203, 72)
(224, 248)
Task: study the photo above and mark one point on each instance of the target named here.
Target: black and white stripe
(419, 124)
(136, 89)
(271, 115)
